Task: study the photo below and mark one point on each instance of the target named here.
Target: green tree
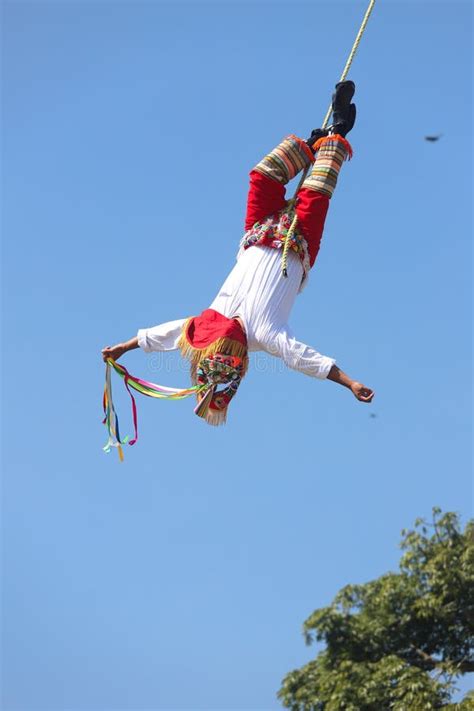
(398, 642)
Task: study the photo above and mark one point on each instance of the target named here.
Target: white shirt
(255, 292)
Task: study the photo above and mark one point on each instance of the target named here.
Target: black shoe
(342, 124)
(316, 133)
(343, 112)
(342, 97)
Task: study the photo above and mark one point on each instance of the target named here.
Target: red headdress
(217, 348)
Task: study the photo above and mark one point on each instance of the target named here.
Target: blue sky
(181, 578)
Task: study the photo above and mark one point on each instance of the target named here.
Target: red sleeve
(311, 208)
(265, 197)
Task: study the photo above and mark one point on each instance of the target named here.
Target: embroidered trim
(272, 232)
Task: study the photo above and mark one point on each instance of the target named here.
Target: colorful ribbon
(142, 386)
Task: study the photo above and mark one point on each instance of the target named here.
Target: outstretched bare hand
(361, 392)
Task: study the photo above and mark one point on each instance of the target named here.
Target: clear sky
(181, 578)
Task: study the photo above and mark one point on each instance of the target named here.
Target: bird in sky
(433, 139)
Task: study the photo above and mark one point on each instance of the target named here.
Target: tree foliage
(398, 642)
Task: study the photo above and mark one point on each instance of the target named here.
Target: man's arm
(164, 337)
(360, 391)
(303, 358)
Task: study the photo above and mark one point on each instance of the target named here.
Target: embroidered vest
(272, 231)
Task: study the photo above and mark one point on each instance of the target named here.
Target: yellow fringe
(216, 418)
(226, 346)
(222, 345)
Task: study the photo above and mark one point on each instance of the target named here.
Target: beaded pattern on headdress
(212, 371)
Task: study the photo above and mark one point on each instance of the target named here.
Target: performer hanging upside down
(251, 310)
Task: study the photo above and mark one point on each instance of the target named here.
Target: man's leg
(331, 151)
(269, 177)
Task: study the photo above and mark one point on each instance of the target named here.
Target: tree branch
(428, 663)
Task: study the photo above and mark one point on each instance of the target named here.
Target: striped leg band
(286, 160)
(332, 152)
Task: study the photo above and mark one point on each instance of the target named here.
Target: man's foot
(342, 97)
(343, 112)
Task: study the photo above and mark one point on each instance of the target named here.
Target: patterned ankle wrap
(286, 160)
(332, 152)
